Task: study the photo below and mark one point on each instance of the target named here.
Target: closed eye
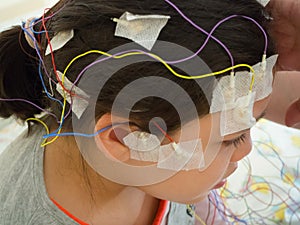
(237, 141)
(242, 138)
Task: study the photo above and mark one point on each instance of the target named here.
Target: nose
(242, 151)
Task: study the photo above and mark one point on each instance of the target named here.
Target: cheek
(187, 186)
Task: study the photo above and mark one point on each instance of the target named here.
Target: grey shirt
(24, 199)
(23, 196)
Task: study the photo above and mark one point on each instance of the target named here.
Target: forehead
(209, 125)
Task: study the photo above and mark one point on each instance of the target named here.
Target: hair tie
(29, 35)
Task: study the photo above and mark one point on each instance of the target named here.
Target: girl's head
(91, 20)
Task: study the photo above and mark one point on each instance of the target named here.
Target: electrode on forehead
(142, 29)
(239, 85)
(240, 117)
(234, 99)
(264, 77)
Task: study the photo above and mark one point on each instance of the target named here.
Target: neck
(89, 196)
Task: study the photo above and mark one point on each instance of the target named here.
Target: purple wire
(102, 60)
(209, 35)
(182, 60)
(185, 59)
(33, 23)
(37, 49)
(29, 102)
(261, 28)
(213, 30)
(94, 63)
(201, 29)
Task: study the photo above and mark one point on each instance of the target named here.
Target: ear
(110, 141)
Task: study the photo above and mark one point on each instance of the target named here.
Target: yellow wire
(166, 65)
(61, 119)
(196, 216)
(154, 56)
(41, 122)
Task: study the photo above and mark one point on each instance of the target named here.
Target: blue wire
(79, 134)
(36, 32)
(40, 62)
(45, 89)
(218, 207)
(222, 215)
(55, 133)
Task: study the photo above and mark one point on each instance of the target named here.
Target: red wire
(52, 55)
(164, 133)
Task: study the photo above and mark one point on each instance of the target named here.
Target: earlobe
(110, 141)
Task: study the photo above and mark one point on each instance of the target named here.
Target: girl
(133, 135)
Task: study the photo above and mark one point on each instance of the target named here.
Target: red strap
(163, 205)
(157, 221)
(69, 214)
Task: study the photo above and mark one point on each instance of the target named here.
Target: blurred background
(13, 12)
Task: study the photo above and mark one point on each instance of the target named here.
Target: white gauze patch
(264, 77)
(59, 40)
(232, 93)
(227, 90)
(142, 29)
(79, 100)
(263, 2)
(239, 117)
(182, 156)
(143, 146)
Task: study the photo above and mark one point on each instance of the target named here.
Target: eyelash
(236, 142)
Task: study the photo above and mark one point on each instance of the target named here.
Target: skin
(113, 202)
(285, 29)
(284, 107)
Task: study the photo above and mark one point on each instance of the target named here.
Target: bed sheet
(265, 189)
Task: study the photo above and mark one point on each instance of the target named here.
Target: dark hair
(94, 29)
